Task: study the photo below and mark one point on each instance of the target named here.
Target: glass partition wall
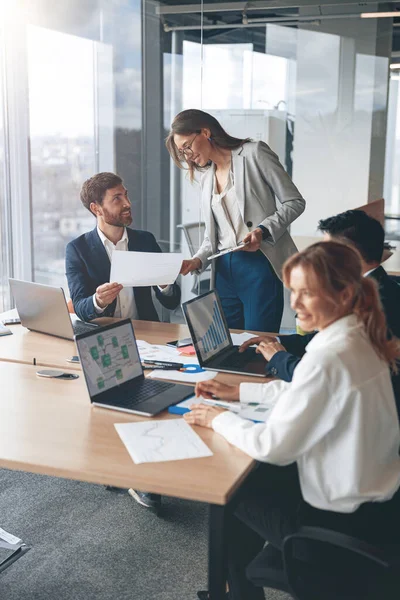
(103, 80)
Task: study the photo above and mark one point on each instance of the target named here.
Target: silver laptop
(114, 374)
(43, 308)
(212, 339)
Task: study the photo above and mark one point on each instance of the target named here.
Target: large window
(63, 144)
(5, 242)
(75, 79)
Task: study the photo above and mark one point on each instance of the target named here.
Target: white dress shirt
(126, 305)
(230, 225)
(337, 419)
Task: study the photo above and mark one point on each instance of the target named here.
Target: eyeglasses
(187, 151)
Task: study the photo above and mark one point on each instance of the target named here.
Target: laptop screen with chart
(208, 327)
(109, 358)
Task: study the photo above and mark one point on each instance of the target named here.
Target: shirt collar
(371, 271)
(334, 331)
(104, 238)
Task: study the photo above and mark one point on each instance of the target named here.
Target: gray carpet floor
(92, 544)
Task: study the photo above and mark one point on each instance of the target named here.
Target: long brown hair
(193, 121)
(333, 267)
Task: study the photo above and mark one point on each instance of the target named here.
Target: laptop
(114, 374)
(43, 308)
(212, 339)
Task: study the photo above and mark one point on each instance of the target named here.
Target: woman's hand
(268, 349)
(253, 240)
(190, 265)
(203, 415)
(256, 340)
(212, 389)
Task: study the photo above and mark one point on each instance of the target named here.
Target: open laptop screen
(207, 325)
(109, 358)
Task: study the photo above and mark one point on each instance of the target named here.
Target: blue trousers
(250, 291)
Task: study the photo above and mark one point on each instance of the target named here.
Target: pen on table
(163, 363)
(160, 367)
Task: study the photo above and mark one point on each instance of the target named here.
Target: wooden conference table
(48, 426)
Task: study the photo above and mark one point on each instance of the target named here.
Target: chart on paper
(159, 441)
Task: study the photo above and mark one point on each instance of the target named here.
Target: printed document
(160, 441)
(254, 411)
(135, 269)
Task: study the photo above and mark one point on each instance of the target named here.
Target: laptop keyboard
(81, 327)
(237, 359)
(144, 391)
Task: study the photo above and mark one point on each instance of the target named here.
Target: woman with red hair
(332, 438)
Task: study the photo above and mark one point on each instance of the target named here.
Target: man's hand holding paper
(137, 269)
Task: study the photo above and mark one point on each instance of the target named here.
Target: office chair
(321, 564)
(194, 236)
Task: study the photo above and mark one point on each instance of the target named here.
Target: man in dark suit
(365, 233)
(88, 265)
(88, 257)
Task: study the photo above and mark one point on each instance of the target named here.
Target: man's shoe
(151, 501)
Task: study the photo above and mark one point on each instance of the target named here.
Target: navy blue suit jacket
(88, 266)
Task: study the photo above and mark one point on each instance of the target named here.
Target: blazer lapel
(206, 195)
(238, 177)
(102, 264)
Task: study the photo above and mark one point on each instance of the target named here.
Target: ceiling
(244, 22)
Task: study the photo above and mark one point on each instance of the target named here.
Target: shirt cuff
(97, 308)
(225, 421)
(251, 392)
(167, 291)
(266, 233)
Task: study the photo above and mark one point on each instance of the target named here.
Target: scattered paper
(183, 376)
(159, 352)
(145, 268)
(159, 441)
(8, 537)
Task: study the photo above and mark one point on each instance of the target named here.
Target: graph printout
(159, 441)
(109, 358)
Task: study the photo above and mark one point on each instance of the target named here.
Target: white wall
(341, 102)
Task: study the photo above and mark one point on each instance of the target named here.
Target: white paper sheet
(160, 441)
(182, 376)
(144, 268)
(239, 338)
(8, 537)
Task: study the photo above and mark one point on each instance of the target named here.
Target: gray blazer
(259, 179)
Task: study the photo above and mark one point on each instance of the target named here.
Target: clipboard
(227, 251)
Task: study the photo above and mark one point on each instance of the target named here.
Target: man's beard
(117, 221)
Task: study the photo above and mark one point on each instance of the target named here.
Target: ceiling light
(379, 15)
(395, 66)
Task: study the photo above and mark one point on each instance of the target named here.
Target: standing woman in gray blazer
(240, 181)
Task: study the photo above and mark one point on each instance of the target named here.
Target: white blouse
(230, 225)
(337, 419)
